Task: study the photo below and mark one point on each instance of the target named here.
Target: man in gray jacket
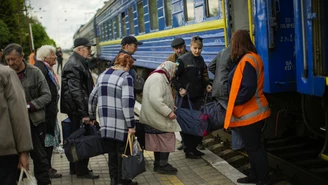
(221, 66)
(37, 95)
(15, 133)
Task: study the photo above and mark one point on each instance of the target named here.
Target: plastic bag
(29, 180)
(136, 149)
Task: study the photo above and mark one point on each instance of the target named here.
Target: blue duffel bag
(191, 121)
(83, 144)
(216, 115)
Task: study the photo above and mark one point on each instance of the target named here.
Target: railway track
(293, 161)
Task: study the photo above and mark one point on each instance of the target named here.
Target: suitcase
(83, 144)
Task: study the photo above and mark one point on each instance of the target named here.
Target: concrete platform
(191, 172)
(202, 171)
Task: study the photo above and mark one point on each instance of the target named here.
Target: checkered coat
(115, 99)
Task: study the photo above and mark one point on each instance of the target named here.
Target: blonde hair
(197, 40)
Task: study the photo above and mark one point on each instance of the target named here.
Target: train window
(113, 30)
(131, 20)
(141, 17)
(106, 31)
(189, 10)
(212, 8)
(153, 15)
(110, 36)
(118, 33)
(168, 12)
(123, 23)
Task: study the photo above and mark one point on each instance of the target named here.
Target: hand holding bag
(191, 121)
(133, 164)
(29, 180)
(215, 113)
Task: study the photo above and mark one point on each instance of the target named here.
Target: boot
(167, 169)
(247, 180)
(156, 161)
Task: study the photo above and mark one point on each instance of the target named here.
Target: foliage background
(14, 26)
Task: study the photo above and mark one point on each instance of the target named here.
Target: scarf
(52, 75)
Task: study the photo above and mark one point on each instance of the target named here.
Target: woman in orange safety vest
(247, 106)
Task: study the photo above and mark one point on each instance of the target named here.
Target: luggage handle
(130, 140)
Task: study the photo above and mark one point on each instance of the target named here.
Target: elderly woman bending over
(157, 113)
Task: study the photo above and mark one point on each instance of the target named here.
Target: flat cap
(82, 42)
(177, 42)
(130, 40)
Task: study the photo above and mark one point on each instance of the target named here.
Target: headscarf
(169, 68)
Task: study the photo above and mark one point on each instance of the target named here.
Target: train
(290, 36)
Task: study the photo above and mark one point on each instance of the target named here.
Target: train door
(274, 40)
(311, 17)
(271, 25)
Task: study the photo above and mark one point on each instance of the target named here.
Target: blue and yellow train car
(290, 36)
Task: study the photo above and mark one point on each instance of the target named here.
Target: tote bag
(29, 180)
(134, 163)
(191, 121)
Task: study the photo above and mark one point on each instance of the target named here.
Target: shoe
(53, 174)
(167, 169)
(74, 173)
(127, 182)
(192, 155)
(197, 152)
(201, 147)
(263, 183)
(180, 147)
(89, 175)
(247, 180)
(113, 181)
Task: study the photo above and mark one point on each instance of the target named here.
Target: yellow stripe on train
(327, 81)
(193, 28)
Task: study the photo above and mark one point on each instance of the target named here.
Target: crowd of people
(34, 91)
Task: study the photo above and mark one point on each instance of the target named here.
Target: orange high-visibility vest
(257, 108)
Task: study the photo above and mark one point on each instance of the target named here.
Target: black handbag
(83, 144)
(191, 121)
(134, 163)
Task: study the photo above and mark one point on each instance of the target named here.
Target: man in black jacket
(77, 85)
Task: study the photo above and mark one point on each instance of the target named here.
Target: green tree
(5, 35)
(40, 36)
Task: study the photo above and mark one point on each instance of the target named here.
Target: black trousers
(161, 158)
(251, 136)
(115, 150)
(8, 169)
(60, 65)
(39, 155)
(190, 142)
(79, 167)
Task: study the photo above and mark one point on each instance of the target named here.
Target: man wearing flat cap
(77, 85)
(129, 45)
(179, 48)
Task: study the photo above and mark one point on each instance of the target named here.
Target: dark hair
(13, 47)
(198, 40)
(241, 44)
(124, 60)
